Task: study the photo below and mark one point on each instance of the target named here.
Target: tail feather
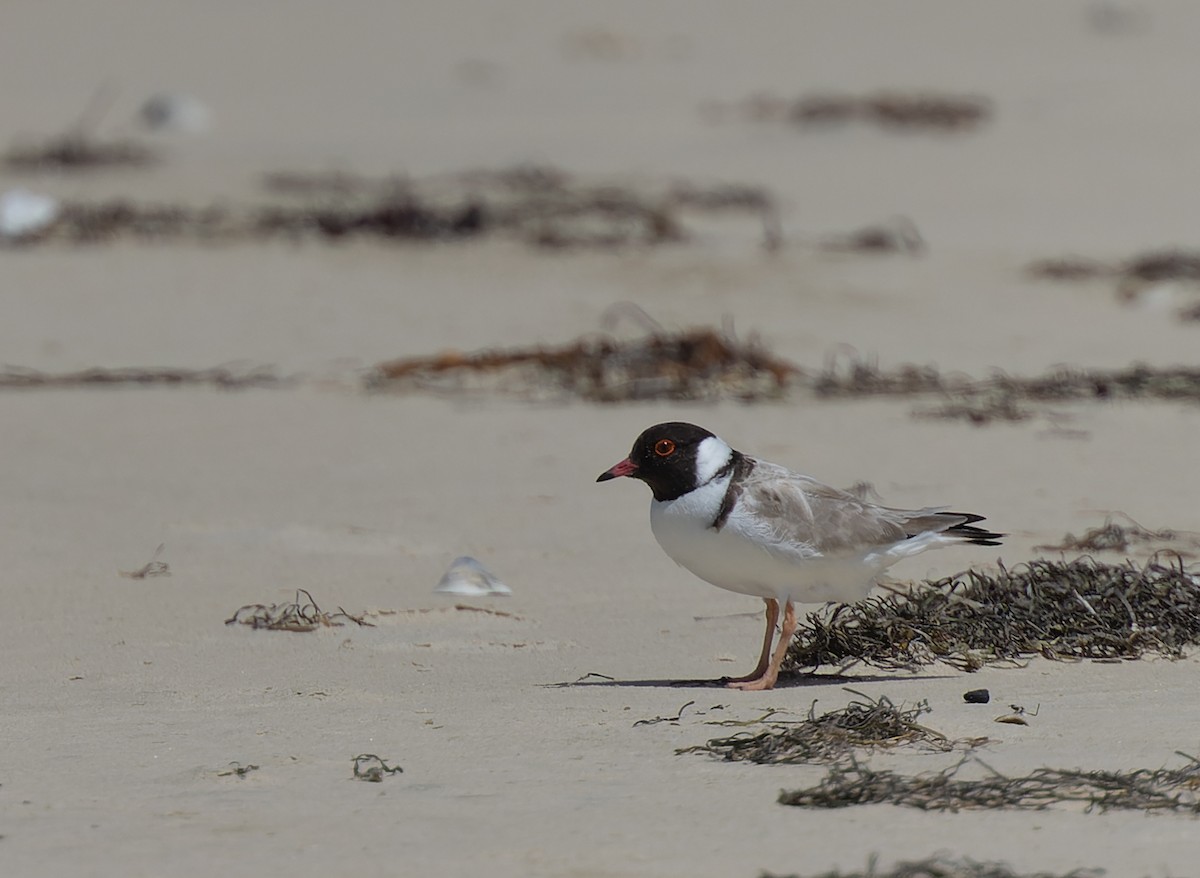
(976, 536)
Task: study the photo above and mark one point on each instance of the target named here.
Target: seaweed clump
(300, 615)
(1173, 789)
(863, 723)
(78, 151)
(542, 207)
(1113, 536)
(895, 110)
(222, 377)
(1080, 609)
(695, 364)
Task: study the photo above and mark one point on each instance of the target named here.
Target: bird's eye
(664, 447)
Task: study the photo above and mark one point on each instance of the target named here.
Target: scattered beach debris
(985, 407)
(176, 113)
(1080, 609)
(542, 207)
(1156, 278)
(372, 769)
(897, 235)
(1017, 716)
(856, 376)
(865, 723)
(672, 720)
(466, 577)
(25, 215)
(977, 696)
(467, 608)
(238, 770)
(1115, 537)
(301, 615)
(697, 364)
(850, 783)
(905, 111)
(77, 149)
(943, 867)
(223, 377)
(704, 363)
(153, 567)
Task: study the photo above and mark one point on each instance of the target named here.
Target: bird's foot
(758, 684)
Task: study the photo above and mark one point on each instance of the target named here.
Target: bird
(757, 528)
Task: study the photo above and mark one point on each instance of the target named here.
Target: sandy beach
(127, 702)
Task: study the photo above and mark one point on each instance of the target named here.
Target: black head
(664, 457)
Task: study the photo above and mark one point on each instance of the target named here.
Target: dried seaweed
(1141, 789)
(863, 723)
(854, 376)
(153, 567)
(898, 235)
(1150, 267)
(76, 151)
(979, 409)
(238, 770)
(1080, 609)
(942, 867)
(539, 206)
(697, 364)
(301, 615)
(888, 109)
(372, 769)
(77, 148)
(1115, 537)
(1133, 275)
(223, 377)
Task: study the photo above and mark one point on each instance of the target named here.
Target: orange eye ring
(664, 447)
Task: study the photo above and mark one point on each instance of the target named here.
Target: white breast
(740, 557)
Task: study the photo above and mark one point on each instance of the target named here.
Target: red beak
(625, 468)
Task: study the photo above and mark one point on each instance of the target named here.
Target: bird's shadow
(785, 681)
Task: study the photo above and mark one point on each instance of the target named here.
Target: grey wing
(820, 520)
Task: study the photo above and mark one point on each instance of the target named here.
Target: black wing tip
(976, 536)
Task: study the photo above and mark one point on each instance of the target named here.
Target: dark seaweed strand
(1080, 609)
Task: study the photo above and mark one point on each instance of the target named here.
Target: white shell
(24, 213)
(466, 577)
(175, 112)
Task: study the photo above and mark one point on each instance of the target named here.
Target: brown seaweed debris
(897, 235)
(848, 376)
(855, 376)
(77, 148)
(943, 867)
(1115, 537)
(888, 109)
(980, 409)
(1080, 609)
(301, 615)
(863, 723)
(695, 364)
(1141, 789)
(153, 567)
(538, 206)
(223, 377)
(1149, 267)
(372, 769)
(1134, 275)
(76, 151)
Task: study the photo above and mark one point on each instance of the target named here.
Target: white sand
(124, 699)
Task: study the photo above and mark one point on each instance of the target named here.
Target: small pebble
(977, 696)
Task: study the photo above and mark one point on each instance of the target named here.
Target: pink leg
(767, 680)
(764, 658)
